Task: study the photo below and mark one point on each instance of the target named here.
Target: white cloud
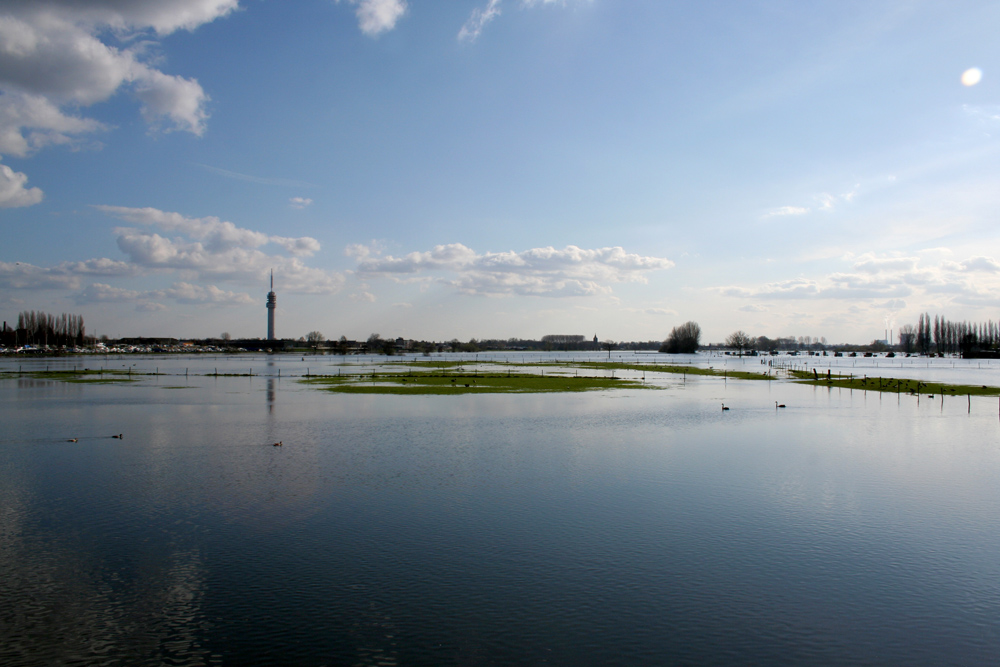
(483, 15)
(218, 235)
(299, 202)
(150, 307)
(100, 267)
(13, 193)
(893, 305)
(67, 275)
(824, 202)
(163, 16)
(362, 297)
(54, 50)
(206, 294)
(571, 271)
(787, 210)
(21, 276)
(869, 263)
(884, 282)
(477, 21)
(179, 292)
(164, 97)
(304, 246)
(378, 16)
(57, 54)
(976, 264)
(103, 293)
(30, 122)
(219, 250)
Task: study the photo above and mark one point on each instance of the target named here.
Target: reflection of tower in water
(270, 386)
(272, 303)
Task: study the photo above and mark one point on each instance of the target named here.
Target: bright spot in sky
(971, 76)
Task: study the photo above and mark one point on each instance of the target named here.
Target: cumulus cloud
(304, 246)
(571, 271)
(218, 235)
(57, 56)
(299, 202)
(31, 122)
(215, 249)
(171, 102)
(13, 190)
(53, 50)
(363, 297)
(975, 265)
(378, 16)
(199, 249)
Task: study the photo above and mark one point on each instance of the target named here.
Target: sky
(500, 168)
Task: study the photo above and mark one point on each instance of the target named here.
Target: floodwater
(633, 527)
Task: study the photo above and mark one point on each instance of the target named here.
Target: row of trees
(35, 327)
(942, 336)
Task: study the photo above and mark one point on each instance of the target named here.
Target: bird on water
(776, 405)
(118, 437)
(278, 444)
(724, 407)
(73, 440)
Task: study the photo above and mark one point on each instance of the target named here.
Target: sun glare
(971, 76)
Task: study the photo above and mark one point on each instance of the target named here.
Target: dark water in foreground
(632, 528)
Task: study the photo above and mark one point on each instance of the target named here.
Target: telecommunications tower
(272, 303)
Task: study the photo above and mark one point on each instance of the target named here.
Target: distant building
(272, 303)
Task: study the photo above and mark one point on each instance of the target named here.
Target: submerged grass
(427, 383)
(673, 369)
(85, 376)
(556, 376)
(893, 385)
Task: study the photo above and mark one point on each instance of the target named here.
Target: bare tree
(908, 337)
(609, 345)
(314, 337)
(739, 340)
(225, 335)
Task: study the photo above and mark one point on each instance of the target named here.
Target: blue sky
(500, 168)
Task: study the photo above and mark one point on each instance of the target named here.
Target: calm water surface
(631, 528)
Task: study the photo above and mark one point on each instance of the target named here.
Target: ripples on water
(616, 528)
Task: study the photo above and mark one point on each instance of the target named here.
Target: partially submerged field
(462, 383)
(892, 385)
(447, 377)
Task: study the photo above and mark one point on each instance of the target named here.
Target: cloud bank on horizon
(592, 165)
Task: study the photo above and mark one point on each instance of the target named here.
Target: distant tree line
(35, 327)
(942, 336)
